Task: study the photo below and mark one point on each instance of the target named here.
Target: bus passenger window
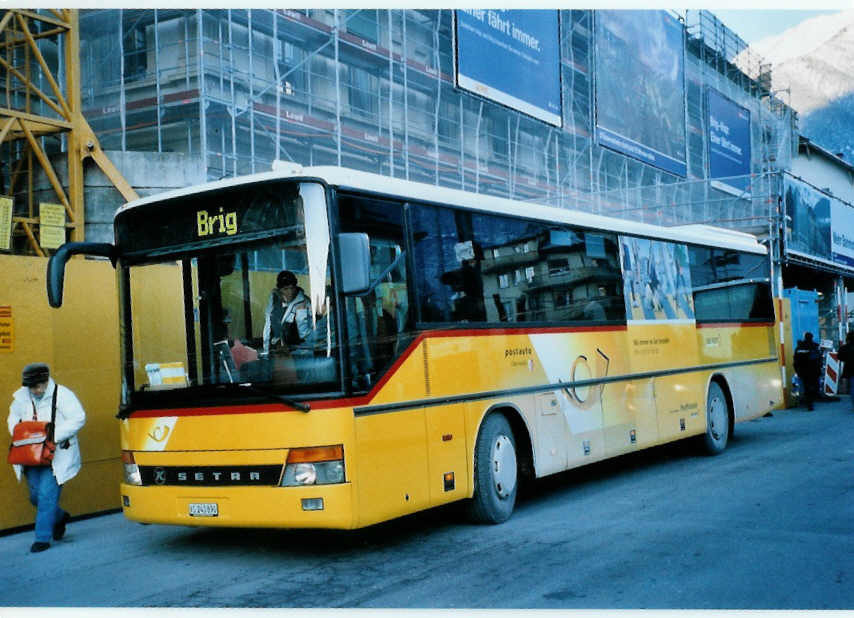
(489, 268)
(656, 279)
(449, 275)
(730, 285)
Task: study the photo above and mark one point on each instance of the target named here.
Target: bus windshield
(251, 307)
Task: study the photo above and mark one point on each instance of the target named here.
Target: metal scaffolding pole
(233, 109)
(337, 88)
(438, 107)
(477, 149)
(277, 45)
(405, 59)
(390, 99)
(157, 82)
(186, 21)
(251, 102)
(122, 95)
(462, 165)
(203, 127)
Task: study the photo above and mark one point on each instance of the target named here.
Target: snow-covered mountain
(815, 60)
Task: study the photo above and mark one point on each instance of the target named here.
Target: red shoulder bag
(32, 441)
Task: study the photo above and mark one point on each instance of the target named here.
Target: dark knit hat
(35, 373)
(285, 278)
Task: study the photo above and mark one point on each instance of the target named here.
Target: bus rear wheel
(496, 472)
(717, 420)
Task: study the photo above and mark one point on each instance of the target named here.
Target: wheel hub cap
(503, 466)
(717, 418)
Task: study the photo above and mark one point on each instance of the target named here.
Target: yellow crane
(40, 120)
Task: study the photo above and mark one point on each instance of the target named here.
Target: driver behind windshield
(287, 318)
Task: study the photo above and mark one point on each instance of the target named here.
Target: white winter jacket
(70, 417)
(298, 310)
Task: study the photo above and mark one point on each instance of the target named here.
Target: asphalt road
(768, 524)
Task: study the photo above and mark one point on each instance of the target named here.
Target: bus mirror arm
(383, 274)
(56, 265)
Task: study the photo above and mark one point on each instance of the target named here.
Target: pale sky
(754, 25)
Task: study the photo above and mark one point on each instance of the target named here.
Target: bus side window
(491, 268)
(533, 272)
(447, 278)
(730, 285)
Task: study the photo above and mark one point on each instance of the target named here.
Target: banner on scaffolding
(729, 144)
(818, 226)
(842, 232)
(640, 87)
(511, 57)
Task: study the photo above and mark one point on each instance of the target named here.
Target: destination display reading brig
(230, 215)
(210, 224)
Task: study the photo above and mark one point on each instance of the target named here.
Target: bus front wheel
(496, 472)
(717, 420)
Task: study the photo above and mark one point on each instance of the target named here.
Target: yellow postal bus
(328, 348)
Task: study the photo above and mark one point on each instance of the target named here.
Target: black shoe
(59, 526)
(39, 546)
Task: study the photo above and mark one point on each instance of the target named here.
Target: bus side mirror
(355, 253)
(56, 265)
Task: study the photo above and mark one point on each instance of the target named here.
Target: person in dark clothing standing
(846, 356)
(807, 366)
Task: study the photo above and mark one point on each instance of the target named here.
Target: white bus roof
(346, 178)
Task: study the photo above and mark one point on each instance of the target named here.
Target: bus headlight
(319, 465)
(132, 475)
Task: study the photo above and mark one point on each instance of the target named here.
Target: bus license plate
(203, 509)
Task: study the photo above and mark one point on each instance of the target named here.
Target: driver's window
(263, 325)
(378, 323)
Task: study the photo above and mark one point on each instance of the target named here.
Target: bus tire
(496, 472)
(717, 420)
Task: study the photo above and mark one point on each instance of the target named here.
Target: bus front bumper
(316, 506)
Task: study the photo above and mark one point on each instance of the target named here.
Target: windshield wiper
(296, 405)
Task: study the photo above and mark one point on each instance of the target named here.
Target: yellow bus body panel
(410, 445)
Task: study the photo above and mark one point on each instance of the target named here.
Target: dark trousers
(810, 384)
(44, 495)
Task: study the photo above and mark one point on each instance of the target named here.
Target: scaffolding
(373, 89)
(41, 126)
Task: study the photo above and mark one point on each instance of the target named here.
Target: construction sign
(7, 330)
(5, 223)
(51, 225)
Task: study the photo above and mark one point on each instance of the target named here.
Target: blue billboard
(511, 57)
(807, 220)
(818, 226)
(729, 144)
(640, 87)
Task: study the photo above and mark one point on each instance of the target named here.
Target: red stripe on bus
(352, 402)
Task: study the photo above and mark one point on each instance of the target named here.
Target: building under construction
(375, 90)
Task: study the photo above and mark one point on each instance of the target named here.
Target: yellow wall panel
(80, 343)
